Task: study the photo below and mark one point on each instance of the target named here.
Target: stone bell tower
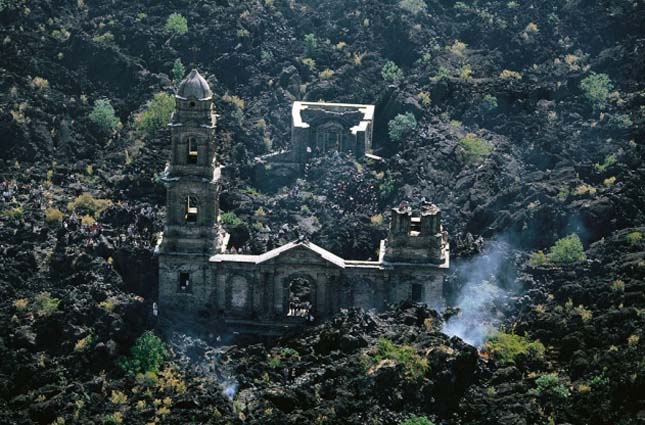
(193, 177)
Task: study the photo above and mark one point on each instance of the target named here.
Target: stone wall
(244, 290)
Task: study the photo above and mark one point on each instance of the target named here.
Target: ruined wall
(243, 290)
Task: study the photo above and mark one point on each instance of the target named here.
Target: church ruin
(318, 128)
(297, 282)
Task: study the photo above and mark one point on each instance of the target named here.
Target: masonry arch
(364, 293)
(299, 299)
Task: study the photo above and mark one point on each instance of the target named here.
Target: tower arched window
(191, 210)
(192, 151)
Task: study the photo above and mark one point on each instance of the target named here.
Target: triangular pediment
(302, 253)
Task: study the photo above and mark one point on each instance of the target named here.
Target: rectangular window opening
(192, 151)
(191, 211)
(415, 226)
(184, 282)
(417, 293)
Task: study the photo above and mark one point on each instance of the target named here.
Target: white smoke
(196, 354)
(230, 389)
(485, 278)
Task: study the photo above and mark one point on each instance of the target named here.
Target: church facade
(298, 282)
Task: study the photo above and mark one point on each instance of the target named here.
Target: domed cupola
(194, 102)
(194, 87)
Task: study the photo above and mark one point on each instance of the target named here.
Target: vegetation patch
(475, 148)
(550, 386)
(596, 89)
(415, 366)
(566, 250)
(417, 420)
(401, 126)
(156, 115)
(634, 238)
(507, 348)
(86, 204)
(103, 116)
(176, 24)
(146, 355)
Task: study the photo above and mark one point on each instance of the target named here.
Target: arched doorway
(300, 297)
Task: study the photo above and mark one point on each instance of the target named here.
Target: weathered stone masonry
(299, 281)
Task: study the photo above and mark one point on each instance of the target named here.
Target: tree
(549, 386)
(311, 44)
(391, 72)
(104, 117)
(596, 88)
(178, 70)
(567, 250)
(146, 355)
(401, 125)
(176, 24)
(156, 115)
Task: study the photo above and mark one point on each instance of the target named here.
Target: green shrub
(387, 188)
(634, 238)
(176, 24)
(178, 70)
(413, 6)
(391, 72)
(311, 44)
(505, 347)
(596, 88)
(415, 366)
(16, 213)
(9, 4)
(475, 148)
(230, 219)
(610, 160)
(489, 102)
(621, 121)
(53, 215)
(551, 387)
(105, 38)
(417, 420)
(538, 259)
(567, 250)
(87, 204)
(401, 125)
(104, 117)
(146, 355)
(44, 304)
(157, 114)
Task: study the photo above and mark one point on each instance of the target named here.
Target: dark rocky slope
(73, 299)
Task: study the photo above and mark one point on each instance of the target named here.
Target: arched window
(192, 151)
(191, 209)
